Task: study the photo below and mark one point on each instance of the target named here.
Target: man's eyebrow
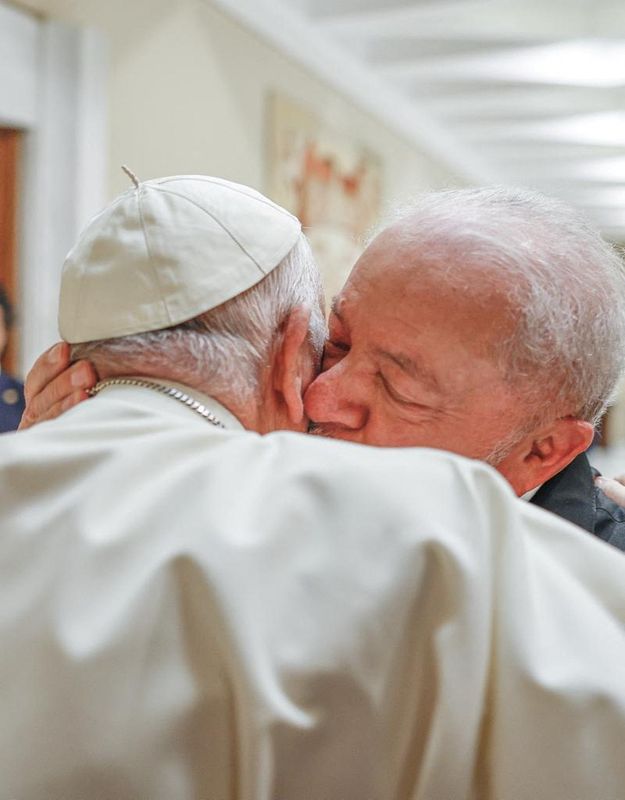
(413, 368)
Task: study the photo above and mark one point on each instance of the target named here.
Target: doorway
(10, 141)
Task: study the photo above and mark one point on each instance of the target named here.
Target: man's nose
(331, 398)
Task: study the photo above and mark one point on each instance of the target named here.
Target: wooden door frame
(9, 166)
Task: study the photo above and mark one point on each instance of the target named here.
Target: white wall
(188, 88)
(50, 89)
(181, 88)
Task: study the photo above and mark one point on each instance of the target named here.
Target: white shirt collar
(528, 495)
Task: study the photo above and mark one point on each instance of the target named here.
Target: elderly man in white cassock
(193, 610)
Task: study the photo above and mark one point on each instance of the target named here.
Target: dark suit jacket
(573, 495)
(11, 402)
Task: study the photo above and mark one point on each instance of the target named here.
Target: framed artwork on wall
(330, 182)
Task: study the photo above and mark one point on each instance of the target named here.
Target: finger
(46, 368)
(79, 377)
(54, 411)
(612, 488)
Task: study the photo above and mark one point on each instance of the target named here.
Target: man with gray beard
(491, 323)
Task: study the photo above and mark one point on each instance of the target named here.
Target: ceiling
(517, 91)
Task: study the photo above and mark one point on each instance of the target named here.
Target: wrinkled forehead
(394, 295)
(391, 271)
(461, 256)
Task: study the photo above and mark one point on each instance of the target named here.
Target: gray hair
(223, 350)
(562, 283)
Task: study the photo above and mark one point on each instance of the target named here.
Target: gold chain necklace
(168, 391)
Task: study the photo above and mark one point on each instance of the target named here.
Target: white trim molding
(302, 41)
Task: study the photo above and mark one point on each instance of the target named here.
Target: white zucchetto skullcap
(168, 250)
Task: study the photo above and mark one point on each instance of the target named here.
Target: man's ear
(294, 367)
(546, 452)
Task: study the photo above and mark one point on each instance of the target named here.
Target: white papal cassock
(188, 612)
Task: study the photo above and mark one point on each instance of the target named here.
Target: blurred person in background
(11, 390)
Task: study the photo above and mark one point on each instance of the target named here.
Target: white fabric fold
(196, 613)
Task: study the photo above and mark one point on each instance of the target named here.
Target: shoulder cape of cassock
(195, 613)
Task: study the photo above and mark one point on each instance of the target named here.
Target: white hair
(223, 350)
(563, 285)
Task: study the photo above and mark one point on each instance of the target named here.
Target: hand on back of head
(55, 385)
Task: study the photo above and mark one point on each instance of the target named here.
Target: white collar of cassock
(528, 495)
